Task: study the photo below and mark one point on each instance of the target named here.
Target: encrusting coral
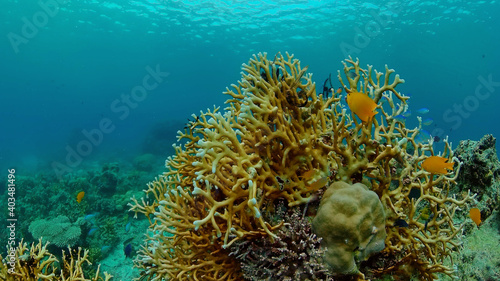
(37, 263)
(278, 139)
(59, 231)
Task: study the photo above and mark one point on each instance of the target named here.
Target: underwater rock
(144, 162)
(107, 180)
(480, 172)
(480, 164)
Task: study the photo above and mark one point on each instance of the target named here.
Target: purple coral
(294, 255)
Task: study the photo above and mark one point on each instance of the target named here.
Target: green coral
(58, 231)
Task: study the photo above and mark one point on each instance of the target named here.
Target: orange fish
(339, 90)
(362, 105)
(309, 174)
(437, 165)
(318, 184)
(475, 215)
(79, 197)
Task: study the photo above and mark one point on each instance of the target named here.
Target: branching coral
(37, 263)
(295, 255)
(277, 139)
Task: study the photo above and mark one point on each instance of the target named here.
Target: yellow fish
(437, 165)
(309, 174)
(79, 197)
(362, 105)
(475, 215)
(318, 184)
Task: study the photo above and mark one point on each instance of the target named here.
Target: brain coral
(59, 231)
(351, 221)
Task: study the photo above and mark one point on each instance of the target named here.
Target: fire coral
(232, 165)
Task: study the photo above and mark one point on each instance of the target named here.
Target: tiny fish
(423, 136)
(105, 248)
(423, 110)
(437, 139)
(79, 196)
(309, 174)
(427, 121)
(128, 250)
(89, 217)
(318, 184)
(352, 74)
(400, 117)
(475, 215)
(407, 113)
(428, 220)
(400, 223)
(92, 231)
(127, 227)
(339, 90)
(128, 240)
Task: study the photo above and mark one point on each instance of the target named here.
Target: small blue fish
(407, 113)
(423, 136)
(128, 250)
(427, 121)
(127, 227)
(92, 231)
(423, 110)
(89, 217)
(105, 248)
(400, 117)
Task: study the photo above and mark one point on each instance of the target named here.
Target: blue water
(67, 68)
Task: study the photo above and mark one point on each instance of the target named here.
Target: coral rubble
(278, 140)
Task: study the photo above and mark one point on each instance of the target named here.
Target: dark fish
(326, 89)
(428, 220)
(128, 240)
(414, 193)
(400, 223)
(128, 250)
(437, 139)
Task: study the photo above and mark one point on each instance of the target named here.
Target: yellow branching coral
(278, 139)
(37, 263)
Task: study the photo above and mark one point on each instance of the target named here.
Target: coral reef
(58, 231)
(107, 180)
(480, 172)
(278, 140)
(36, 263)
(481, 166)
(351, 220)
